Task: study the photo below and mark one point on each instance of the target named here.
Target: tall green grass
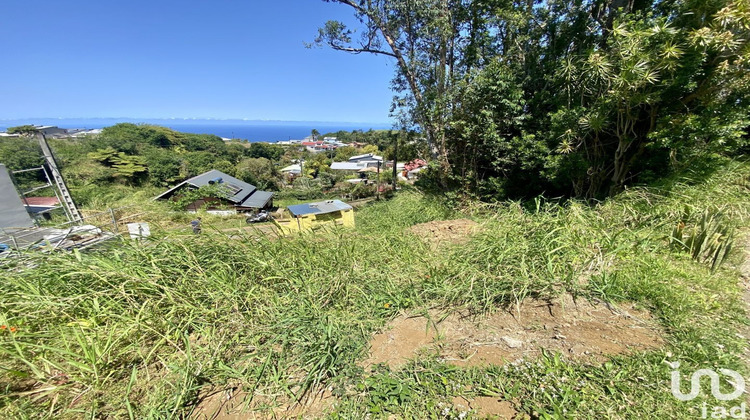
(140, 329)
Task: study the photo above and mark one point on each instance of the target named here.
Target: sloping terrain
(577, 329)
(380, 322)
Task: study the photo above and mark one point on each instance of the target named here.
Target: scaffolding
(64, 194)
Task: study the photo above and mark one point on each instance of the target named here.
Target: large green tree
(577, 97)
(422, 36)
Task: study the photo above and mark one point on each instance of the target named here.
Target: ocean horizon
(249, 130)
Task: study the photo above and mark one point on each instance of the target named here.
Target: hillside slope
(543, 310)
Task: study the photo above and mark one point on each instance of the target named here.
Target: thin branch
(361, 50)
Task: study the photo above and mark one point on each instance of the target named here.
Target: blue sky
(183, 59)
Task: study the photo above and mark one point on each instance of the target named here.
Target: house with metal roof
(237, 194)
(355, 163)
(295, 169)
(368, 159)
(313, 216)
(41, 206)
(345, 166)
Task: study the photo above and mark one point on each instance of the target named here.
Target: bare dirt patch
(400, 341)
(576, 328)
(486, 407)
(444, 232)
(229, 404)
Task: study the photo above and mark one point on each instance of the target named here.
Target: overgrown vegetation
(140, 330)
(573, 98)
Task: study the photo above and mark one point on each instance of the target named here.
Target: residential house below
(326, 145)
(295, 169)
(368, 160)
(51, 131)
(292, 172)
(41, 205)
(241, 197)
(412, 169)
(313, 216)
(356, 163)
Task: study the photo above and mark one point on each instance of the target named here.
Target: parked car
(262, 216)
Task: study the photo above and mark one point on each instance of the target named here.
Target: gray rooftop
(321, 207)
(239, 192)
(257, 200)
(13, 214)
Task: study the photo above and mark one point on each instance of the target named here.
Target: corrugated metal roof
(238, 190)
(366, 156)
(257, 200)
(321, 207)
(345, 166)
(293, 168)
(358, 157)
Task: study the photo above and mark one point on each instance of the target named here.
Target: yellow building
(313, 216)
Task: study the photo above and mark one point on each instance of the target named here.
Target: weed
(137, 330)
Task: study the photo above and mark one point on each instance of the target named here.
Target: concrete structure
(314, 216)
(240, 195)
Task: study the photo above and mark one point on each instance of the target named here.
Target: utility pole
(67, 199)
(377, 192)
(395, 160)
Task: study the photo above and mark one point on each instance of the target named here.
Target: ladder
(65, 197)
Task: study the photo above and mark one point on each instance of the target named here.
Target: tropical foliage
(566, 97)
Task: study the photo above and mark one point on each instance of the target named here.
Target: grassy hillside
(148, 330)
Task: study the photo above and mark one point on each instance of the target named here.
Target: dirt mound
(579, 329)
(486, 407)
(229, 404)
(445, 232)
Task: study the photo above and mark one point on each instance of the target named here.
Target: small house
(313, 216)
(295, 169)
(367, 160)
(41, 206)
(412, 169)
(51, 131)
(345, 166)
(356, 163)
(240, 196)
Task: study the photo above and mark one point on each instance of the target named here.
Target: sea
(248, 130)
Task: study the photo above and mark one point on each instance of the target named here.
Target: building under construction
(20, 228)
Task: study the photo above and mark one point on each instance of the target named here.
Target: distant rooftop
(321, 207)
